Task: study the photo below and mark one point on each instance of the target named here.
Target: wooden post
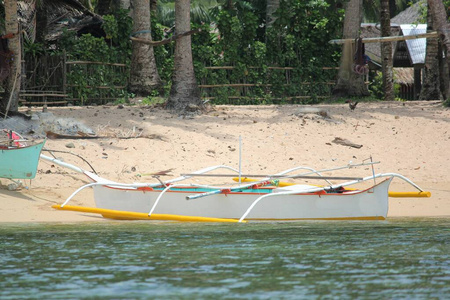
(64, 71)
(417, 82)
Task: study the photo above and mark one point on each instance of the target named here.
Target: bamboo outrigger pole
(389, 38)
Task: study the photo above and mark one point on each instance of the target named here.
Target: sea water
(405, 258)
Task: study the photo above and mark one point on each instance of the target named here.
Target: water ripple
(401, 258)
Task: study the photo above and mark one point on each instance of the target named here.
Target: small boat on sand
(19, 158)
(266, 199)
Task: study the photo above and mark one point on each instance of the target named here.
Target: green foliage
(297, 39)
(376, 86)
(152, 100)
(33, 49)
(163, 55)
(110, 26)
(89, 82)
(122, 42)
(423, 8)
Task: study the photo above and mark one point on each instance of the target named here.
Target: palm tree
(441, 24)
(431, 84)
(386, 52)
(144, 77)
(10, 101)
(349, 83)
(184, 93)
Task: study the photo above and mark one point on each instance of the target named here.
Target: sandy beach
(410, 138)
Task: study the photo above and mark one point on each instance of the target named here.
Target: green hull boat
(20, 162)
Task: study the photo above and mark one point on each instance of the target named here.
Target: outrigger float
(263, 199)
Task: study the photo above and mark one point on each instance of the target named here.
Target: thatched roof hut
(404, 76)
(408, 57)
(373, 50)
(411, 53)
(59, 15)
(411, 15)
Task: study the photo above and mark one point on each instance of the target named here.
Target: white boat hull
(367, 204)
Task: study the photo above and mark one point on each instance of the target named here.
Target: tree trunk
(431, 81)
(386, 52)
(144, 77)
(440, 23)
(350, 83)
(184, 93)
(10, 101)
(444, 75)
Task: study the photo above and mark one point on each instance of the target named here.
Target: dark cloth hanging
(360, 52)
(360, 59)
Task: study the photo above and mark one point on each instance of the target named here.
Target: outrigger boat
(18, 158)
(252, 199)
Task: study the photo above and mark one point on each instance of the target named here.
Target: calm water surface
(396, 259)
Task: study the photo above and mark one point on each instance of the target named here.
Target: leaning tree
(350, 83)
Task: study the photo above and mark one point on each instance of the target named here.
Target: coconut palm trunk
(184, 93)
(10, 101)
(431, 83)
(386, 52)
(350, 83)
(441, 24)
(144, 77)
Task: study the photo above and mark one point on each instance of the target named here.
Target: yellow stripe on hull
(423, 194)
(127, 215)
(373, 218)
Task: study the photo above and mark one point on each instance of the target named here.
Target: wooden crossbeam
(389, 38)
(42, 95)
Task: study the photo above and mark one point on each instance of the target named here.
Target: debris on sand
(345, 142)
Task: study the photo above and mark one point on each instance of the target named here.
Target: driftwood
(344, 142)
(81, 135)
(165, 41)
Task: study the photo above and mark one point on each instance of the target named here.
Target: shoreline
(409, 138)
